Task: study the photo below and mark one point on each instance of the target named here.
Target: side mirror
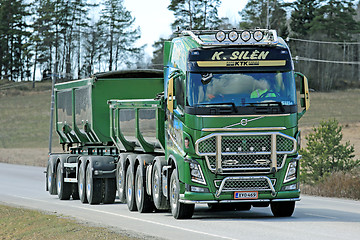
(171, 102)
(170, 95)
(304, 92)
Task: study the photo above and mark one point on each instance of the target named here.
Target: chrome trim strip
(244, 116)
(273, 153)
(243, 129)
(238, 201)
(218, 162)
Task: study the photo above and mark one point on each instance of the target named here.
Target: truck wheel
(178, 210)
(51, 180)
(120, 177)
(109, 190)
(82, 183)
(160, 201)
(130, 190)
(63, 189)
(282, 209)
(93, 187)
(143, 200)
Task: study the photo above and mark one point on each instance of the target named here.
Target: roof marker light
(220, 36)
(245, 36)
(233, 36)
(258, 35)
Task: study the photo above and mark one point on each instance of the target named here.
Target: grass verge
(19, 223)
(338, 184)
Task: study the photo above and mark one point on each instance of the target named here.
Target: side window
(179, 92)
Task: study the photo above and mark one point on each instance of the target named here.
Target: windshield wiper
(218, 104)
(281, 106)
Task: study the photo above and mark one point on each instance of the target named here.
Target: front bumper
(199, 198)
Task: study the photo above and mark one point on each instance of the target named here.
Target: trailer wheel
(82, 183)
(282, 209)
(51, 180)
(120, 177)
(160, 201)
(179, 210)
(109, 190)
(94, 191)
(63, 189)
(130, 190)
(143, 200)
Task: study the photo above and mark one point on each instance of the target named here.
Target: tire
(121, 177)
(143, 201)
(160, 201)
(282, 209)
(51, 180)
(82, 183)
(94, 191)
(109, 190)
(179, 210)
(63, 188)
(130, 190)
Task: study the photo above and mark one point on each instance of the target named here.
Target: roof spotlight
(233, 35)
(220, 36)
(258, 35)
(245, 36)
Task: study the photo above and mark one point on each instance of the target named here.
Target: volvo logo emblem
(244, 122)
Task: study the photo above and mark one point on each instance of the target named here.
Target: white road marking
(129, 217)
(321, 216)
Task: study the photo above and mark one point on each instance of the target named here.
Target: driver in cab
(262, 90)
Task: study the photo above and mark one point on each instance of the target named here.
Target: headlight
(196, 173)
(258, 35)
(220, 36)
(245, 36)
(291, 171)
(233, 36)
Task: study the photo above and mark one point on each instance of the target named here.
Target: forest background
(62, 39)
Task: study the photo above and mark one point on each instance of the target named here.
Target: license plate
(245, 195)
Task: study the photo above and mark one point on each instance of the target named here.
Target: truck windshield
(241, 89)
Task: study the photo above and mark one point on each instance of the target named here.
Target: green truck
(218, 126)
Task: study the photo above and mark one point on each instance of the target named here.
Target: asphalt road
(314, 218)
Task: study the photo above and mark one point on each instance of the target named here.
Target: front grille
(245, 151)
(231, 184)
(248, 162)
(242, 185)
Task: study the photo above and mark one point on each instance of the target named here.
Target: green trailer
(218, 126)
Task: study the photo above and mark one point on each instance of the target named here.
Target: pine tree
(335, 20)
(93, 45)
(195, 14)
(265, 14)
(14, 36)
(120, 34)
(302, 17)
(325, 154)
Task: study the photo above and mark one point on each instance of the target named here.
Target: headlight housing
(291, 173)
(196, 173)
